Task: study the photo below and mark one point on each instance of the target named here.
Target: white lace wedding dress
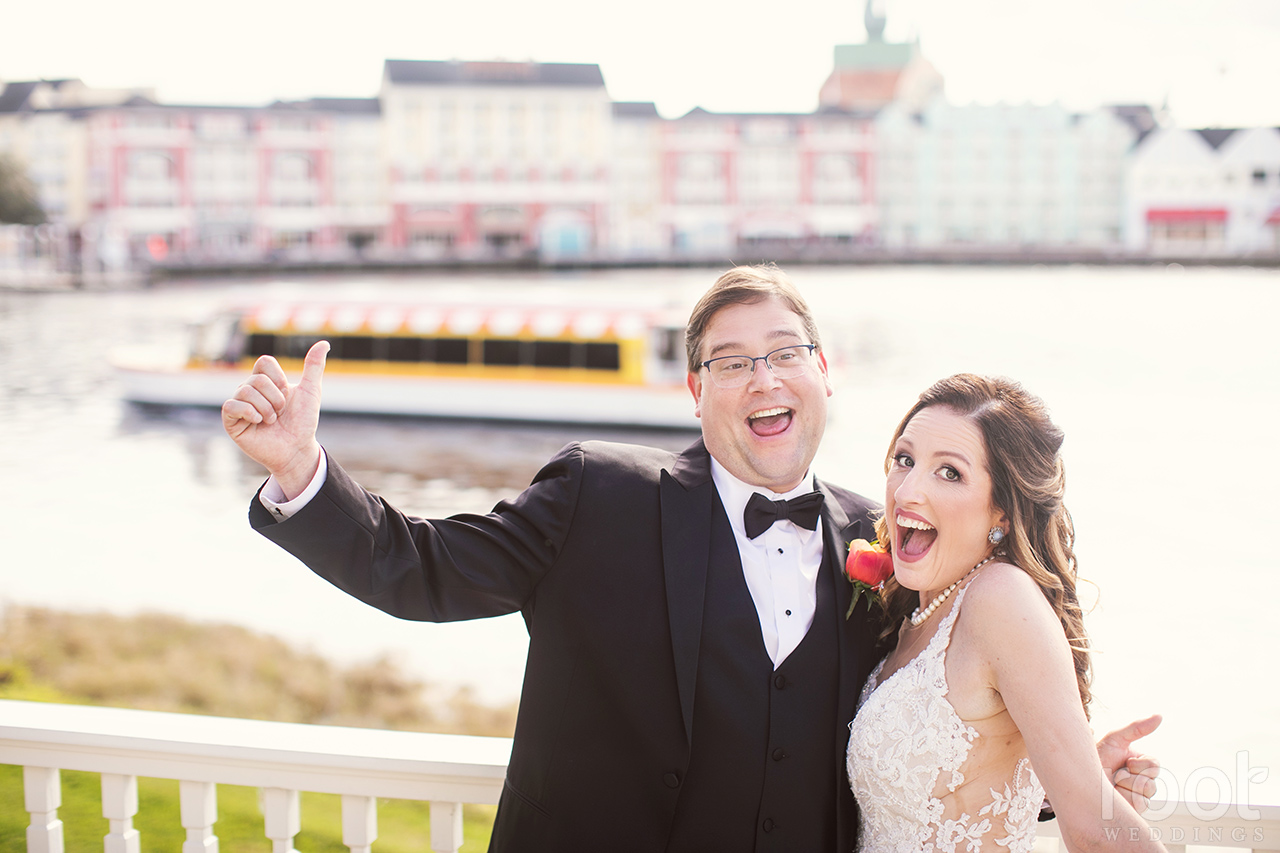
(906, 761)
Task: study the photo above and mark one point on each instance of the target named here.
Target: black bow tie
(761, 512)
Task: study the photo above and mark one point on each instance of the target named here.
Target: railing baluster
(359, 822)
(119, 805)
(446, 826)
(283, 818)
(42, 792)
(199, 803)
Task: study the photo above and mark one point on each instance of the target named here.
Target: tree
(18, 202)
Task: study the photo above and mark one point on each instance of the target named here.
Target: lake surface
(1165, 381)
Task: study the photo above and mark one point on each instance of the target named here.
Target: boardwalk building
(1204, 193)
(496, 158)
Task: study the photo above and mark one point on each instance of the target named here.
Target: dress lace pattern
(906, 737)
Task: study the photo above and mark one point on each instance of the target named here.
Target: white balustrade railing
(282, 759)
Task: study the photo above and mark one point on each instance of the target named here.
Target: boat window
(353, 347)
(670, 344)
(552, 354)
(498, 351)
(450, 351)
(493, 351)
(602, 357)
(219, 339)
(295, 346)
(427, 350)
(260, 344)
(405, 349)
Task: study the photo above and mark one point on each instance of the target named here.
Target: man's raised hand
(274, 422)
(1133, 774)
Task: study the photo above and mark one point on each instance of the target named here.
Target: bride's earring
(995, 536)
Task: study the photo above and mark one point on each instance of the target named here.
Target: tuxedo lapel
(837, 532)
(856, 643)
(688, 499)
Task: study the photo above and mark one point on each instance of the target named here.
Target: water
(1164, 381)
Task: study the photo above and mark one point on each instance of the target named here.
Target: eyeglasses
(732, 371)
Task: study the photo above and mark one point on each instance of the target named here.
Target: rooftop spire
(873, 18)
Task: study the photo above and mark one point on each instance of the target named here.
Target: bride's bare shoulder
(1003, 601)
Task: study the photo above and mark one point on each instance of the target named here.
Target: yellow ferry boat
(611, 366)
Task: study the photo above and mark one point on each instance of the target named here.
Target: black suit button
(672, 780)
(768, 824)
(779, 681)
(779, 754)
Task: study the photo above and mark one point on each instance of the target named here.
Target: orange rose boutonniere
(867, 567)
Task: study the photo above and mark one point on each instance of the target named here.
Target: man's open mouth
(770, 421)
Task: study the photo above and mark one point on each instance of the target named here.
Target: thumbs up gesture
(274, 422)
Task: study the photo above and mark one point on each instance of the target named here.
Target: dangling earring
(995, 536)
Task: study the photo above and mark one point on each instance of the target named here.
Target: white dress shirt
(780, 565)
(272, 496)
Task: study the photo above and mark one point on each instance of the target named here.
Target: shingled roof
(14, 95)
(358, 106)
(1215, 136)
(635, 109)
(458, 73)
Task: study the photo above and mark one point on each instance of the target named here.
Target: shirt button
(779, 754)
(779, 681)
(768, 824)
(671, 780)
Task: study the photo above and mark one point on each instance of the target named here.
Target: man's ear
(826, 373)
(694, 381)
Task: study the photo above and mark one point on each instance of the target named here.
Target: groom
(691, 671)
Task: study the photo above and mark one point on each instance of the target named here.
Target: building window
(294, 124)
(151, 166)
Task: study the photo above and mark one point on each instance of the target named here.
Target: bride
(980, 709)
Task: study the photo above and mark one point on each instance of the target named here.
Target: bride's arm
(1020, 644)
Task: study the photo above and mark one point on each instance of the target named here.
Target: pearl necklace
(919, 616)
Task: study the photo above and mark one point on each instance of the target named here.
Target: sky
(1213, 63)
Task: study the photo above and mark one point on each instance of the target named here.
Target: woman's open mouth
(915, 537)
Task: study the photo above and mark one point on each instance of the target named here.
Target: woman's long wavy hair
(1027, 481)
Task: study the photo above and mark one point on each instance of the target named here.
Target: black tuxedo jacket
(605, 555)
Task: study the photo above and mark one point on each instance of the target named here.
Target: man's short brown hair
(744, 285)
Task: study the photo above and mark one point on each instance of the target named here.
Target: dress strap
(941, 638)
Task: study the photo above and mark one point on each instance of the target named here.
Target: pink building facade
(225, 183)
(768, 181)
(496, 159)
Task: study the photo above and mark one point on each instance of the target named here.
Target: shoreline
(42, 281)
(783, 258)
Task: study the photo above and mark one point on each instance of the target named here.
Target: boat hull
(666, 407)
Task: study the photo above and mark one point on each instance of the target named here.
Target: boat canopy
(579, 323)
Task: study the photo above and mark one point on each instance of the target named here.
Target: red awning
(1187, 214)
